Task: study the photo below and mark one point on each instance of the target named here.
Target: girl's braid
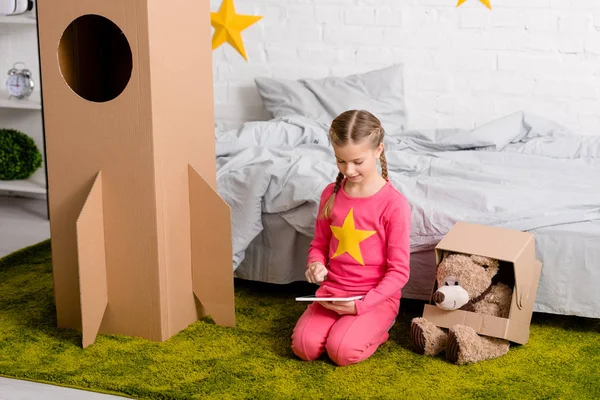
(384, 170)
(338, 182)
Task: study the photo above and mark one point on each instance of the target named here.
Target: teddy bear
(470, 283)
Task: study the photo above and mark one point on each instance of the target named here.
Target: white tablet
(315, 298)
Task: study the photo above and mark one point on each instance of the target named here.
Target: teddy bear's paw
(465, 346)
(427, 338)
(418, 337)
(452, 347)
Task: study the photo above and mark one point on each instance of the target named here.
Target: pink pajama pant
(348, 339)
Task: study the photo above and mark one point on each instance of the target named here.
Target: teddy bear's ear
(485, 262)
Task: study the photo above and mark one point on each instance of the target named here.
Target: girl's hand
(316, 272)
(340, 307)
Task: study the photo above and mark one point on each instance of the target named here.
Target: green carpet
(254, 360)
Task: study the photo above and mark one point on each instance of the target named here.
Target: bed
(519, 171)
(570, 254)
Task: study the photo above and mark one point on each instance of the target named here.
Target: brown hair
(354, 126)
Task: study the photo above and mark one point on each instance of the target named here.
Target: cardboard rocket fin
(212, 271)
(92, 263)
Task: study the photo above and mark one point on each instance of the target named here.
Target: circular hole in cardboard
(95, 58)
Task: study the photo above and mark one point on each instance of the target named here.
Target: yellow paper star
(349, 238)
(487, 3)
(229, 26)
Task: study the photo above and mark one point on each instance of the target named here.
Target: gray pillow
(380, 92)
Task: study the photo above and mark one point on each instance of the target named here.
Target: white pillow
(380, 92)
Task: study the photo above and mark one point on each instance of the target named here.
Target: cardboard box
(141, 241)
(516, 251)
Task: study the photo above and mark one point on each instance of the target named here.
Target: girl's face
(357, 161)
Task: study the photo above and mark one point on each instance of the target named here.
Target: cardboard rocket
(141, 241)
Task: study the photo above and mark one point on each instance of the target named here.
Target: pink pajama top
(365, 244)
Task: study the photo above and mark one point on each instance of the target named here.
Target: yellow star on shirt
(349, 238)
(229, 26)
(487, 3)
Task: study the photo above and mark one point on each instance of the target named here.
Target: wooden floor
(13, 389)
(23, 222)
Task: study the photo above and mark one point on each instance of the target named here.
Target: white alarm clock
(13, 7)
(19, 82)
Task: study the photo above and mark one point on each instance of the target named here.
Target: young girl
(361, 246)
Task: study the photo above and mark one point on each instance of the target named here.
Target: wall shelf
(19, 43)
(27, 18)
(31, 103)
(23, 186)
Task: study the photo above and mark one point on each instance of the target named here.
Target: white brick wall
(463, 66)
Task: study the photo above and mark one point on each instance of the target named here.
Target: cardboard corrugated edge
(516, 247)
(212, 270)
(92, 263)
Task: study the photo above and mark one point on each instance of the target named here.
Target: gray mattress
(570, 254)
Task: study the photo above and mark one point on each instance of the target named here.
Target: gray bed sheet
(570, 256)
(276, 255)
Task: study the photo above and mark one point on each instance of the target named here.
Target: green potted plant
(19, 156)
